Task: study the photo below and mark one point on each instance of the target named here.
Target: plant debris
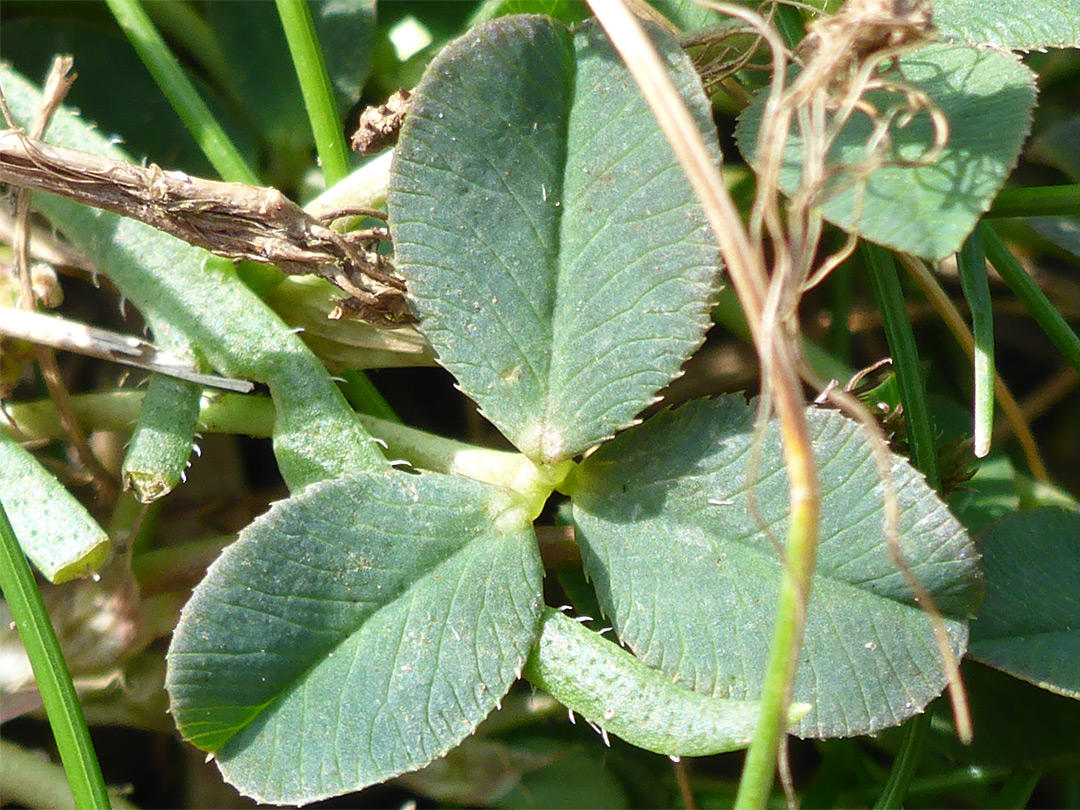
(233, 220)
(379, 126)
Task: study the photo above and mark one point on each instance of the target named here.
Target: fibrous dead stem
(233, 220)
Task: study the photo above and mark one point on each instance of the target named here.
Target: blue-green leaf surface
(554, 250)
(687, 567)
(1030, 25)
(1029, 622)
(927, 211)
(358, 630)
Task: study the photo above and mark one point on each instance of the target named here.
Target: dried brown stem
(233, 220)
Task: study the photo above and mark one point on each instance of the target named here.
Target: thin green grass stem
(181, 93)
(181, 23)
(1025, 288)
(1017, 789)
(1037, 201)
(315, 85)
(885, 283)
(905, 764)
(50, 670)
(838, 338)
(330, 143)
(365, 397)
(971, 263)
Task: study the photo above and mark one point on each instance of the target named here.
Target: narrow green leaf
(555, 251)
(881, 271)
(1028, 26)
(53, 679)
(927, 210)
(264, 84)
(177, 87)
(55, 530)
(1018, 724)
(686, 15)
(31, 781)
(1029, 622)
(1025, 288)
(261, 79)
(990, 494)
(687, 569)
(358, 630)
(1016, 790)
(346, 31)
(613, 690)
(971, 263)
(907, 760)
(316, 434)
(1037, 201)
(114, 83)
(316, 88)
(184, 25)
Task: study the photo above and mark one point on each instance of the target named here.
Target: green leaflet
(557, 257)
(613, 690)
(1029, 622)
(358, 630)
(687, 571)
(928, 210)
(1031, 25)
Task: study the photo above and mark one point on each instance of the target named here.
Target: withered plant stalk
(774, 258)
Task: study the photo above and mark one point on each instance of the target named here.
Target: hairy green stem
(181, 93)
(250, 415)
(315, 85)
(51, 672)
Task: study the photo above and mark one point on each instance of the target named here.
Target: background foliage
(522, 347)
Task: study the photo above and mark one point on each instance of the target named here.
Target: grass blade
(1037, 202)
(907, 759)
(885, 282)
(971, 262)
(315, 85)
(1025, 288)
(181, 93)
(53, 679)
